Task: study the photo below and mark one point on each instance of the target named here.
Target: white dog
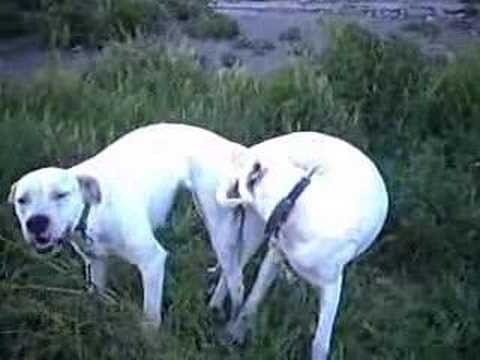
(335, 219)
(126, 191)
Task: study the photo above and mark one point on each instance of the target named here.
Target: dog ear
(90, 189)
(11, 195)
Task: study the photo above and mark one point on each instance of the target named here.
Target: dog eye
(60, 195)
(22, 200)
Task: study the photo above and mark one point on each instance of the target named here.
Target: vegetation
(212, 25)
(93, 22)
(415, 295)
(425, 28)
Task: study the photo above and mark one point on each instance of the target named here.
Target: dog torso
(140, 174)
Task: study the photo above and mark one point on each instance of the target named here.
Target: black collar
(82, 223)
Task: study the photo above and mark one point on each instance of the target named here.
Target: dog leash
(283, 209)
(86, 254)
(239, 211)
(81, 229)
(280, 215)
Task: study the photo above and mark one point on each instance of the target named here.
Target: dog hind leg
(329, 302)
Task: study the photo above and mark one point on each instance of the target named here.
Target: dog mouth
(45, 244)
(45, 249)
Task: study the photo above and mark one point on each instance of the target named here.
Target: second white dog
(335, 219)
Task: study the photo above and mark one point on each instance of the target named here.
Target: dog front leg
(152, 270)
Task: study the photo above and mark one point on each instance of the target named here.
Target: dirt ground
(276, 33)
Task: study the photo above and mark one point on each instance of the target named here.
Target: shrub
(92, 22)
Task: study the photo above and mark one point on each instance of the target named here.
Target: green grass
(415, 295)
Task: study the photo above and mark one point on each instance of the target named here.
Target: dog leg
(228, 256)
(234, 280)
(268, 272)
(222, 227)
(250, 242)
(220, 293)
(152, 270)
(329, 301)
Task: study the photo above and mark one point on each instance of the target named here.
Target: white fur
(131, 187)
(337, 217)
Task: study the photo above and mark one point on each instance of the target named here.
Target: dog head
(48, 204)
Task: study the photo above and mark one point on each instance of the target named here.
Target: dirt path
(276, 33)
(392, 9)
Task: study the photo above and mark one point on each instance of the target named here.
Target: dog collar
(282, 210)
(82, 223)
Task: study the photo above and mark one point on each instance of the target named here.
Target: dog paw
(91, 289)
(219, 314)
(235, 332)
(226, 338)
(150, 326)
(319, 353)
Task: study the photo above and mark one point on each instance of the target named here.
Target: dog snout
(38, 224)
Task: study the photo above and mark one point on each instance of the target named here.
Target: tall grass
(416, 295)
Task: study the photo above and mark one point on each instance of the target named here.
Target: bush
(92, 22)
(66, 23)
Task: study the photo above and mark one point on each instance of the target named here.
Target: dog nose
(38, 224)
